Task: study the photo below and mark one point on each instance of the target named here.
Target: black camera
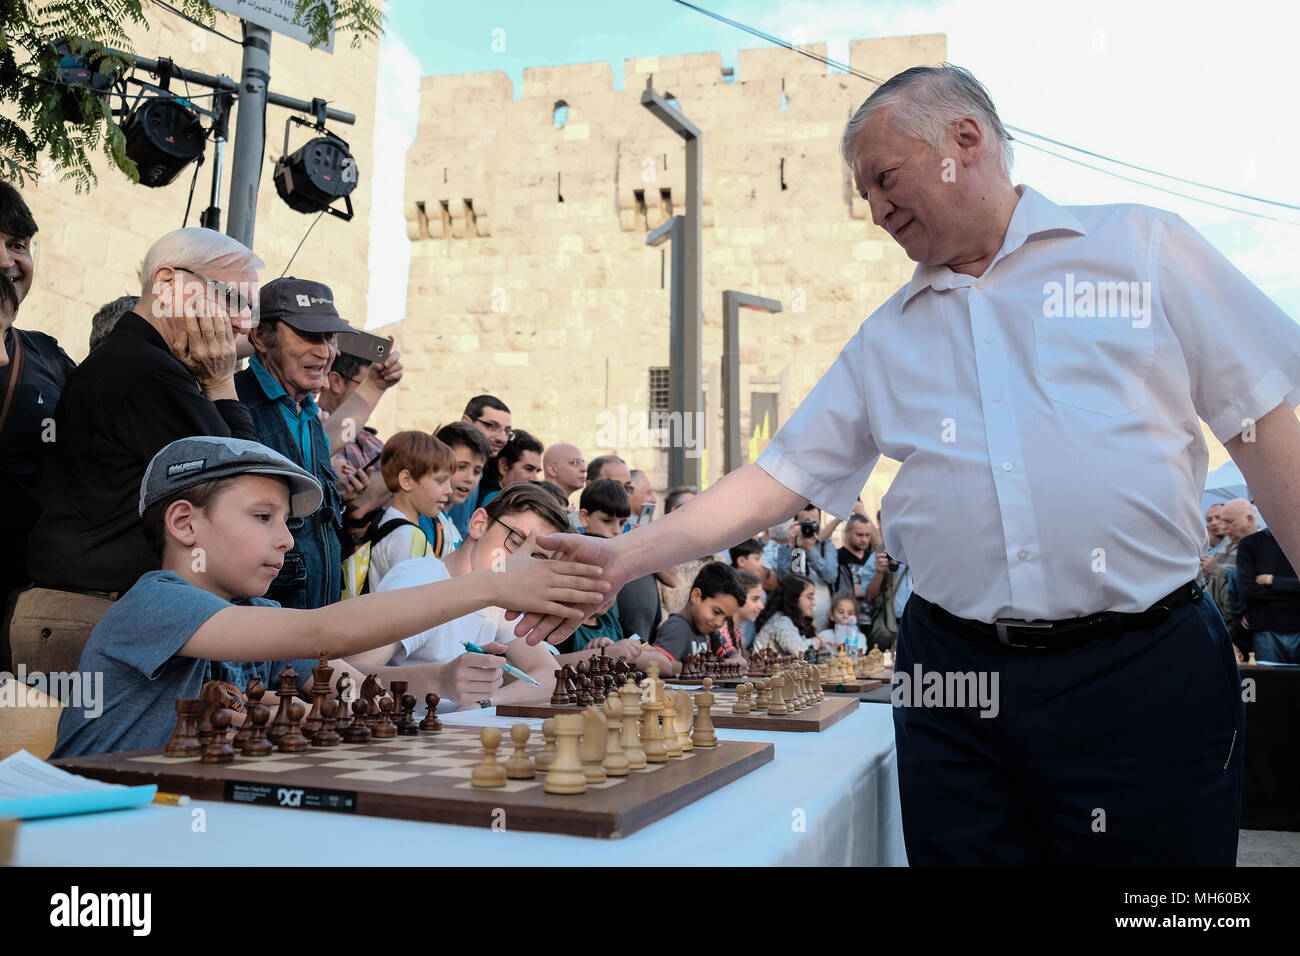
(809, 528)
(893, 566)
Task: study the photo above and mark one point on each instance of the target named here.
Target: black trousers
(1125, 751)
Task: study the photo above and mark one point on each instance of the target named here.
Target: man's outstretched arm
(735, 508)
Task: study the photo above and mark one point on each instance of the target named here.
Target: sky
(1192, 89)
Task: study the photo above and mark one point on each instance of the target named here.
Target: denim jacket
(312, 575)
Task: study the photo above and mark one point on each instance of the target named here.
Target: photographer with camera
(808, 555)
(887, 585)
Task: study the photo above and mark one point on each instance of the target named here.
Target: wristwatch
(485, 702)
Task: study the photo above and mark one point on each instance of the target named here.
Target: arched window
(561, 114)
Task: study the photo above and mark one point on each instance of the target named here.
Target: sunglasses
(236, 303)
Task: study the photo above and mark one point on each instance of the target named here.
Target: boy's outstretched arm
(562, 589)
(726, 513)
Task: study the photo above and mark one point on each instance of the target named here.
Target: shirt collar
(275, 391)
(1035, 217)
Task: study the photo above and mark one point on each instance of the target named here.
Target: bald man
(1237, 520)
(565, 467)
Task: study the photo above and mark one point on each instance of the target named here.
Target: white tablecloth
(826, 799)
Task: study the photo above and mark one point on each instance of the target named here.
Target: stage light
(162, 138)
(75, 72)
(315, 174)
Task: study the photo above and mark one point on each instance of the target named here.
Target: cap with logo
(192, 461)
(307, 306)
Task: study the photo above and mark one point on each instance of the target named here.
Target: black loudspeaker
(162, 137)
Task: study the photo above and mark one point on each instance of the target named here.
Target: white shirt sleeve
(825, 451)
(1242, 350)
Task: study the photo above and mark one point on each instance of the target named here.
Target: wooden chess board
(857, 686)
(813, 719)
(427, 778)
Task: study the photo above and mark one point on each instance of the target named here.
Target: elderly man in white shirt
(1041, 380)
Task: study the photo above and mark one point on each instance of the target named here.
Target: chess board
(427, 778)
(858, 686)
(813, 719)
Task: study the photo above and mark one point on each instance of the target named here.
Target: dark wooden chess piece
(397, 689)
(558, 696)
(320, 689)
(218, 749)
(344, 688)
(254, 691)
(327, 736)
(287, 691)
(431, 724)
(256, 744)
(293, 740)
(184, 741)
(407, 726)
(584, 692)
(384, 728)
(212, 697)
(358, 732)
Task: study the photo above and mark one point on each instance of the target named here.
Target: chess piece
(406, 726)
(384, 728)
(254, 691)
(398, 689)
(547, 754)
(293, 741)
(682, 723)
(558, 696)
(520, 765)
(652, 741)
(489, 773)
(741, 706)
(358, 731)
(218, 749)
(592, 749)
(212, 697)
(760, 701)
(327, 736)
(287, 690)
(776, 693)
(431, 724)
(256, 744)
(631, 737)
(565, 775)
(184, 740)
(1251, 659)
(320, 689)
(669, 716)
(344, 719)
(584, 692)
(616, 763)
(703, 735)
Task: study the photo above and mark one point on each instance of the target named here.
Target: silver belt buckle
(1002, 623)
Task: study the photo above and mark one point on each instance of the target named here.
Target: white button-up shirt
(1045, 415)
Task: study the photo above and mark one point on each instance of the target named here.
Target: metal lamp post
(732, 303)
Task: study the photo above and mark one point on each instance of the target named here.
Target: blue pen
(509, 668)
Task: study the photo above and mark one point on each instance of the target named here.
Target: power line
(845, 68)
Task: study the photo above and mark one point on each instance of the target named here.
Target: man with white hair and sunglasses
(165, 372)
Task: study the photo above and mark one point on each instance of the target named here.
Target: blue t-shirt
(134, 646)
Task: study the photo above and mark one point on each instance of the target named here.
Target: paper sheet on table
(30, 787)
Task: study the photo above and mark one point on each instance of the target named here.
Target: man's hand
(1209, 565)
(351, 481)
(472, 677)
(564, 590)
(208, 350)
(598, 552)
(882, 562)
(1264, 579)
(389, 372)
(797, 539)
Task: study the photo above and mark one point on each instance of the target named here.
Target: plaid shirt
(358, 453)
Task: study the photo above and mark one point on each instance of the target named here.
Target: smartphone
(647, 513)
(364, 345)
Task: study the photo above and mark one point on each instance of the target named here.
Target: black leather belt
(1060, 635)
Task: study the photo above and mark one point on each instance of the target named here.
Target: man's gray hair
(929, 101)
(106, 319)
(202, 250)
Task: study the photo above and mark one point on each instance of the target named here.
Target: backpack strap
(15, 378)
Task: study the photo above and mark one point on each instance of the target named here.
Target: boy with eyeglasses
(514, 517)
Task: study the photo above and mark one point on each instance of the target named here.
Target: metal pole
(692, 354)
(210, 218)
(679, 374)
(250, 133)
(732, 301)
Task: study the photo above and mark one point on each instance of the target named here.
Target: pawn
(358, 732)
(218, 749)
(741, 706)
(616, 762)
(293, 741)
(584, 692)
(520, 765)
(431, 724)
(327, 736)
(384, 728)
(547, 754)
(406, 726)
(565, 775)
(256, 744)
(489, 773)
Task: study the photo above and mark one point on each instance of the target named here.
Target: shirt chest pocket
(1098, 363)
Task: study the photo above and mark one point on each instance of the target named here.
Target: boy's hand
(472, 677)
(555, 626)
(561, 589)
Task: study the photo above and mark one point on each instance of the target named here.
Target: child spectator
(748, 556)
(739, 628)
(843, 622)
(716, 594)
(602, 509)
(216, 512)
(417, 469)
(786, 623)
(471, 451)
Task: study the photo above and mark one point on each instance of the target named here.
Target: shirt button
(1006, 466)
(988, 340)
(1022, 554)
(997, 400)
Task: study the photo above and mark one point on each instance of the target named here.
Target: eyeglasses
(515, 538)
(235, 301)
(495, 428)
